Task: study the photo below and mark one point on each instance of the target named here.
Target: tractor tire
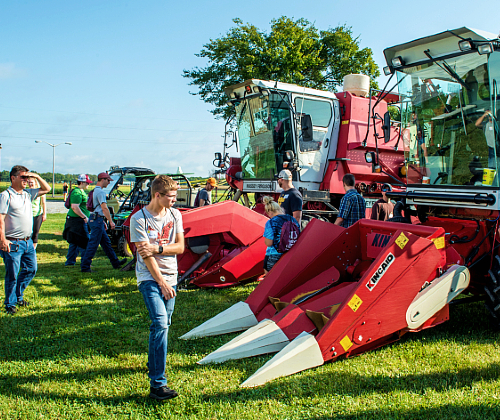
(123, 248)
(492, 293)
(306, 218)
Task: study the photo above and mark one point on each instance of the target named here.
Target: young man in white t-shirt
(158, 235)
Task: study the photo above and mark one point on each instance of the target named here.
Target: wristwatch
(160, 249)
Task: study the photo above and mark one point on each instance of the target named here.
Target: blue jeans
(74, 251)
(98, 236)
(20, 268)
(160, 313)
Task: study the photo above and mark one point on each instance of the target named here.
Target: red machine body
(350, 291)
(356, 138)
(232, 235)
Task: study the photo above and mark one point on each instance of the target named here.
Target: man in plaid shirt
(352, 206)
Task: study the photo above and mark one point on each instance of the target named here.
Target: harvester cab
(449, 112)
(318, 135)
(341, 292)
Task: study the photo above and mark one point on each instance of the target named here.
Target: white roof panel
(441, 44)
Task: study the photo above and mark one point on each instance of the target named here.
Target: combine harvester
(340, 292)
(320, 136)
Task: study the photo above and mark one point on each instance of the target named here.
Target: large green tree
(294, 51)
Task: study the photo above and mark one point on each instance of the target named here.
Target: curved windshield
(112, 184)
(449, 119)
(264, 133)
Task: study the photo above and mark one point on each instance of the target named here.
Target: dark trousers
(98, 236)
(37, 224)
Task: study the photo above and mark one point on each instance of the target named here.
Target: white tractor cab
(450, 95)
(263, 145)
(318, 135)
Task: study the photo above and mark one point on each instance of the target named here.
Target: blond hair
(163, 184)
(35, 181)
(271, 206)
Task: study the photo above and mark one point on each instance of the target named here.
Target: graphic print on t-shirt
(157, 235)
(165, 233)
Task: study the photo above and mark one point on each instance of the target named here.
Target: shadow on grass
(467, 327)
(448, 411)
(356, 385)
(81, 329)
(74, 313)
(51, 243)
(18, 386)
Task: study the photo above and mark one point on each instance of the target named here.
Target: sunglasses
(23, 176)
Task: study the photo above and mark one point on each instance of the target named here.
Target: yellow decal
(439, 242)
(355, 303)
(345, 122)
(402, 240)
(346, 343)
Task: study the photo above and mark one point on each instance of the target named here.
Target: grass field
(80, 351)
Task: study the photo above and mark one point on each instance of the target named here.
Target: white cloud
(10, 71)
(136, 103)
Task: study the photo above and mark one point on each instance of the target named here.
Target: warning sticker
(345, 122)
(402, 240)
(439, 242)
(355, 303)
(346, 343)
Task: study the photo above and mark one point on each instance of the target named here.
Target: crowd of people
(157, 232)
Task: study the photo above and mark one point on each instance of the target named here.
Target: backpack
(90, 201)
(286, 232)
(67, 204)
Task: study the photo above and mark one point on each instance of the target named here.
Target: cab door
(312, 151)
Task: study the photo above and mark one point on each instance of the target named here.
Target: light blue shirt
(98, 199)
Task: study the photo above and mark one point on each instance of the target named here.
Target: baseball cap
(84, 178)
(212, 182)
(104, 175)
(285, 174)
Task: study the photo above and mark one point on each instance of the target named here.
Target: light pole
(53, 160)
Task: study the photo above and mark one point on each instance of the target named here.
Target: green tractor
(121, 203)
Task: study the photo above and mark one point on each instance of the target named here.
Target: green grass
(80, 350)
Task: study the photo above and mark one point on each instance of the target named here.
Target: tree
(294, 51)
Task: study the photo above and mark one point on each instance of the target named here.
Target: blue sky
(107, 75)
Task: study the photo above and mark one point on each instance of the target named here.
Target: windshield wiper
(242, 113)
(446, 67)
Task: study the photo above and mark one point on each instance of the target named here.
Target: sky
(106, 75)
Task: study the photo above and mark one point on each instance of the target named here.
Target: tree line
(59, 178)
